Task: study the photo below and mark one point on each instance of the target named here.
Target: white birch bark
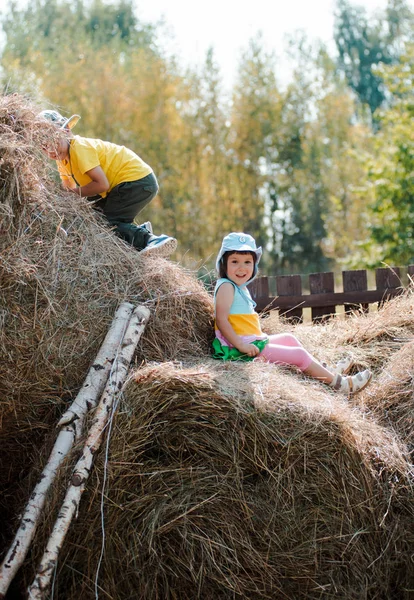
(41, 583)
(89, 395)
(72, 421)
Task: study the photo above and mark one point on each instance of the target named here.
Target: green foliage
(50, 39)
(363, 44)
(392, 170)
(343, 142)
(255, 119)
(59, 25)
(293, 167)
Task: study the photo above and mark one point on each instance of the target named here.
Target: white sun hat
(239, 242)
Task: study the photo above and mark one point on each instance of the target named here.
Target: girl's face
(240, 267)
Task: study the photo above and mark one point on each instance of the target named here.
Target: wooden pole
(40, 586)
(87, 397)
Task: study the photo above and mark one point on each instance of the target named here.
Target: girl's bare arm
(224, 300)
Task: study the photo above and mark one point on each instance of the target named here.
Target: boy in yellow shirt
(116, 179)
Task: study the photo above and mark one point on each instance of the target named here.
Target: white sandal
(342, 367)
(352, 384)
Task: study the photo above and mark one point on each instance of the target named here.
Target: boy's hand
(75, 190)
(249, 349)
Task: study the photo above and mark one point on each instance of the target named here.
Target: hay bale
(63, 273)
(391, 397)
(236, 481)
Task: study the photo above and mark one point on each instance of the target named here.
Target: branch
(87, 397)
(70, 506)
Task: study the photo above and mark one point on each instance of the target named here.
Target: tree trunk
(40, 586)
(72, 422)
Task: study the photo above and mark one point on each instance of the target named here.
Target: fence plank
(355, 281)
(290, 285)
(259, 290)
(322, 283)
(323, 300)
(386, 279)
(331, 299)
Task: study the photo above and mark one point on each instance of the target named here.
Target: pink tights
(284, 348)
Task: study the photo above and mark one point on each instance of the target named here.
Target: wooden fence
(322, 299)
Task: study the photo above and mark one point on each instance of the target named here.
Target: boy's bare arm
(98, 185)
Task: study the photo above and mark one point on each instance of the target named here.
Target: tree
(209, 159)
(344, 143)
(363, 44)
(255, 126)
(297, 192)
(49, 40)
(392, 171)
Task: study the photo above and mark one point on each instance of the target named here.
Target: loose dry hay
(381, 341)
(241, 481)
(62, 275)
(391, 397)
(224, 481)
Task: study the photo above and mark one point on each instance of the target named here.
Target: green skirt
(226, 353)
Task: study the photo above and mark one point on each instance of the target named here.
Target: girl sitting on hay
(117, 180)
(237, 325)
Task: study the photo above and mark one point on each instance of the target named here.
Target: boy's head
(237, 243)
(56, 133)
(54, 117)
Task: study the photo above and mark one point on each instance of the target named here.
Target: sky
(227, 25)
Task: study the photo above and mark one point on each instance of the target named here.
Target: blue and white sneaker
(148, 226)
(160, 245)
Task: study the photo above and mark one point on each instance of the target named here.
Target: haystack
(222, 481)
(63, 273)
(370, 337)
(242, 482)
(391, 398)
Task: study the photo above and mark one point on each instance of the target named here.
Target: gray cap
(53, 116)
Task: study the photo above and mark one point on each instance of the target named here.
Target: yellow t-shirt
(117, 162)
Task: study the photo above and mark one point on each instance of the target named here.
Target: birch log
(87, 397)
(41, 583)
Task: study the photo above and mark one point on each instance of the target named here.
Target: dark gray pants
(123, 203)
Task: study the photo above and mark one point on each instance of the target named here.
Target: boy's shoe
(148, 226)
(352, 384)
(160, 245)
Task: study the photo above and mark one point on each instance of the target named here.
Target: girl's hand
(249, 349)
